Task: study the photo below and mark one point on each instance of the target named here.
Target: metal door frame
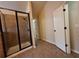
(5, 53)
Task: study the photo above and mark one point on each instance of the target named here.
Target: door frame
(67, 32)
(66, 29)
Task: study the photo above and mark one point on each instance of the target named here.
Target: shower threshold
(15, 48)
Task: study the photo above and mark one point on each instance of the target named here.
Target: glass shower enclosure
(16, 31)
(24, 29)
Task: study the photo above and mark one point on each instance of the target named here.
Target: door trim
(66, 31)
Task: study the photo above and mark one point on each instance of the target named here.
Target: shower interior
(16, 30)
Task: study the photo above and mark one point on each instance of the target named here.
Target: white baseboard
(75, 51)
(34, 46)
(13, 55)
(48, 41)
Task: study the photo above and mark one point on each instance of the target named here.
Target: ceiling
(37, 7)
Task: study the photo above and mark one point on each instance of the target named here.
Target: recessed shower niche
(16, 31)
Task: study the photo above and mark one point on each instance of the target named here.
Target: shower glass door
(24, 30)
(9, 27)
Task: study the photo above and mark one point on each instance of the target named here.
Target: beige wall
(46, 21)
(74, 25)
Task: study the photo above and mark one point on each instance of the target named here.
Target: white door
(60, 32)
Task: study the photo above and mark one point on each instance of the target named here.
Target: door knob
(54, 30)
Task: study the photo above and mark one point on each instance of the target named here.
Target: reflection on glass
(24, 30)
(9, 26)
(10, 32)
(1, 46)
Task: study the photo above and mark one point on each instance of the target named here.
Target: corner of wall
(31, 18)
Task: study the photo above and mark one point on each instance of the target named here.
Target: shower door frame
(18, 32)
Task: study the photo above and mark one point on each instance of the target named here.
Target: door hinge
(64, 9)
(65, 27)
(66, 45)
